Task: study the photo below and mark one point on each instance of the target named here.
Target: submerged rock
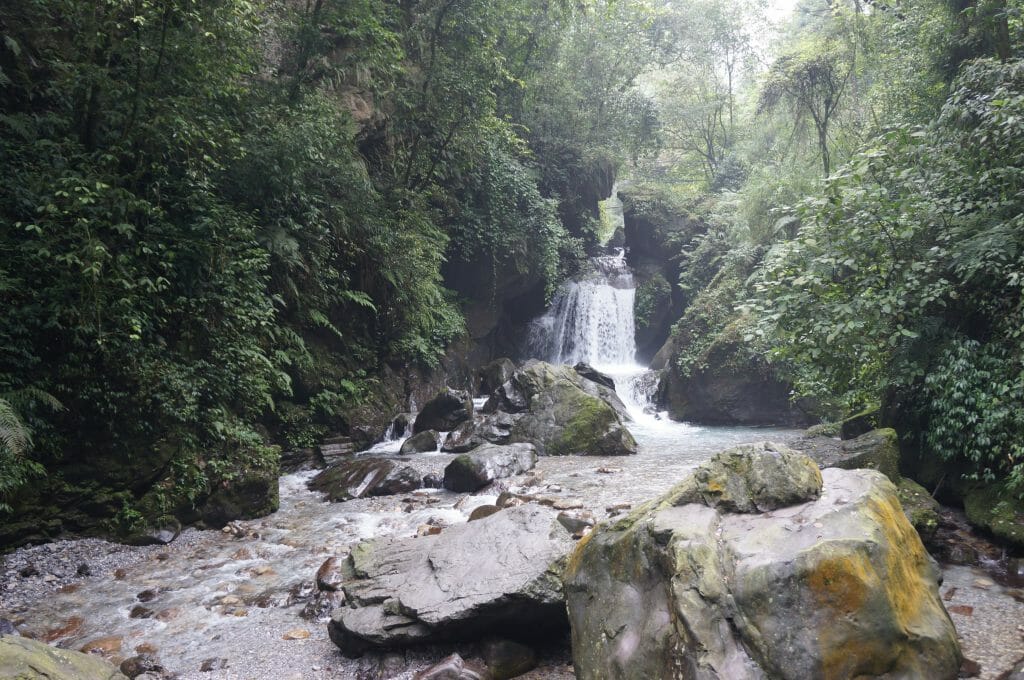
(728, 578)
(498, 575)
(444, 412)
(363, 477)
(30, 660)
(563, 413)
(477, 469)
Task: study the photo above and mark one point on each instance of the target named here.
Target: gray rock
(444, 412)
(498, 574)
(420, 442)
(361, 477)
(454, 667)
(7, 628)
(162, 533)
(507, 659)
(483, 465)
(875, 450)
(562, 413)
(298, 460)
(495, 428)
(592, 374)
(252, 493)
(496, 374)
(837, 587)
(26, 659)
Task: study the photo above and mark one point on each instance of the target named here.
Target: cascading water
(591, 321)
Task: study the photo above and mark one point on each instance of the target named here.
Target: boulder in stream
(475, 470)
(30, 660)
(496, 374)
(361, 477)
(563, 413)
(420, 442)
(444, 412)
(499, 575)
(738, 575)
(495, 428)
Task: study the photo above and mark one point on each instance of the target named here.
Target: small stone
(242, 554)
(328, 576)
(554, 488)
(609, 470)
(49, 578)
(567, 504)
(983, 583)
(146, 648)
(483, 511)
(28, 571)
(138, 665)
(140, 612)
(147, 595)
(213, 664)
(618, 507)
(949, 594)
(162, 557)
(104, 646)
(970, 669)
(229, 600)
(67, 629)
(427, 530)
(83, 570)
(961, 609)
(119, 574)
(69, 588)
(168, 614)
(296, 634)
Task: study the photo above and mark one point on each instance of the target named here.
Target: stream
(240, 603)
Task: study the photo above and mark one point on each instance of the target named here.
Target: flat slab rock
(362, 477)
(500, 574)
(838, 586)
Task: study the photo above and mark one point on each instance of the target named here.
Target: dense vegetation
(862, 208)
(220, 220)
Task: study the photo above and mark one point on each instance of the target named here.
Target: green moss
(996, 510)
(920, 507)
(652, 295)
(584, 430)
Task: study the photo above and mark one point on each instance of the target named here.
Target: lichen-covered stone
(836, 587)
(874, 450)
(500, 575)
(24, 659)
(919, 507)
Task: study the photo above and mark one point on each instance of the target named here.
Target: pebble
(296, 634)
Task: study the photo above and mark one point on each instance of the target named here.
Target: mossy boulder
(24, 659)
(834, 586)
(250, 494)
(475, 470)
(874, 450)
(565, 413)
(998, 511)
(920, 508)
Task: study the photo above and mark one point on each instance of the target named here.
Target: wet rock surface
(483, 465)
(766, 582)
(361, 477)
(444, 412)
(874, 450)
(499, 574)
(26, 659)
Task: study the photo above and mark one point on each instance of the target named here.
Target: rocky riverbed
(241, 603)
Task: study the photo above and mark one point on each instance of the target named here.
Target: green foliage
(651, 295)
(915, 249)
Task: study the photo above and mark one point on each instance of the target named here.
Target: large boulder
(252, 493)
(26, 659)
(875, 450)
(475, 470)
(499, 575)
(704, 583)
(421, 442)
(563, 413)
(444, 412)
(496, 374)
(361, 477)
(494, 428)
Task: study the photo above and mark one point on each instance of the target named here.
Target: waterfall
(590, 319)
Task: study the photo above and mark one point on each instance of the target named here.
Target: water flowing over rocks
(732, 576)
(500, 574)
(475, 470)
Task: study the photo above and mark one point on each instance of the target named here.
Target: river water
(239, 602)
